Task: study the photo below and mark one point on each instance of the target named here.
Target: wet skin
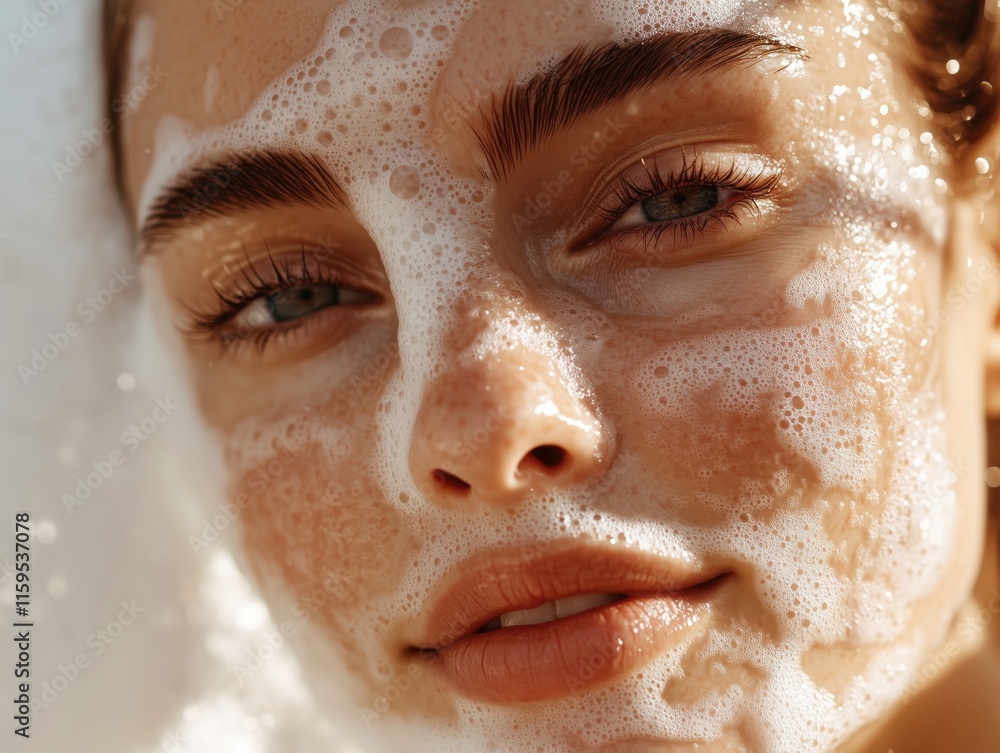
(707, 320)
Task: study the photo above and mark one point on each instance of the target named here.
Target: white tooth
(554, 610)
(544, 613)
(576, 604)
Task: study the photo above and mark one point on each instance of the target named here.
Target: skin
(707, 457)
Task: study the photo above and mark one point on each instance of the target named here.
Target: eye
(674, 204)
(678, 201)
(297, 302)
(287, 301)
(652, 236)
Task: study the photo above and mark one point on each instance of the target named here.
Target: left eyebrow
(587, 80)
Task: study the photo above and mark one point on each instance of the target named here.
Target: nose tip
(496, 430)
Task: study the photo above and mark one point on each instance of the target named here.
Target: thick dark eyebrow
(239, 183)
(589, 79)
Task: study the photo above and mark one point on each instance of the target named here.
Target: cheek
(759, 415)
(317, 532)
(813, 400)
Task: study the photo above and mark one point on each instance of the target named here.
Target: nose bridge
(502, 418)
(485, 321)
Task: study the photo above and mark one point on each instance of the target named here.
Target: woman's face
(498, 304)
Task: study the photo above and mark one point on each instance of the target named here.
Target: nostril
(547, 456)
(449, 481)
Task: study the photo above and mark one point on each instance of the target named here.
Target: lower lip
(575, 654)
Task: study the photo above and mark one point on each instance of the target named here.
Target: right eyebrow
(587, 79)
(239, 183)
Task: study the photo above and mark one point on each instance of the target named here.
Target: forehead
(217, 60)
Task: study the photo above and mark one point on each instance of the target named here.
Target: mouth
(521, 627)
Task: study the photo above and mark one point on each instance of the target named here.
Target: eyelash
(211, 325)
(751, 185)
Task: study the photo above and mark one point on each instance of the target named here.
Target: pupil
(295, 303)
(681, 202)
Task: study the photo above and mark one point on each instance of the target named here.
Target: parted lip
(493, 583)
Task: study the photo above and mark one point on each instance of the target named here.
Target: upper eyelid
(259, 259)
(675, 153)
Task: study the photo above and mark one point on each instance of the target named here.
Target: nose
(498, 428)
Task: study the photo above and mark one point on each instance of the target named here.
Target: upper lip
(493, 583)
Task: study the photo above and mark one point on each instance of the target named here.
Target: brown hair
(115, 25)
(964, 31)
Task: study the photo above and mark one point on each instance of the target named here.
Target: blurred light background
(135, 635)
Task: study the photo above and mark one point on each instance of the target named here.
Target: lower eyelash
(260, 339)
(689, 229)
(205, 328)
